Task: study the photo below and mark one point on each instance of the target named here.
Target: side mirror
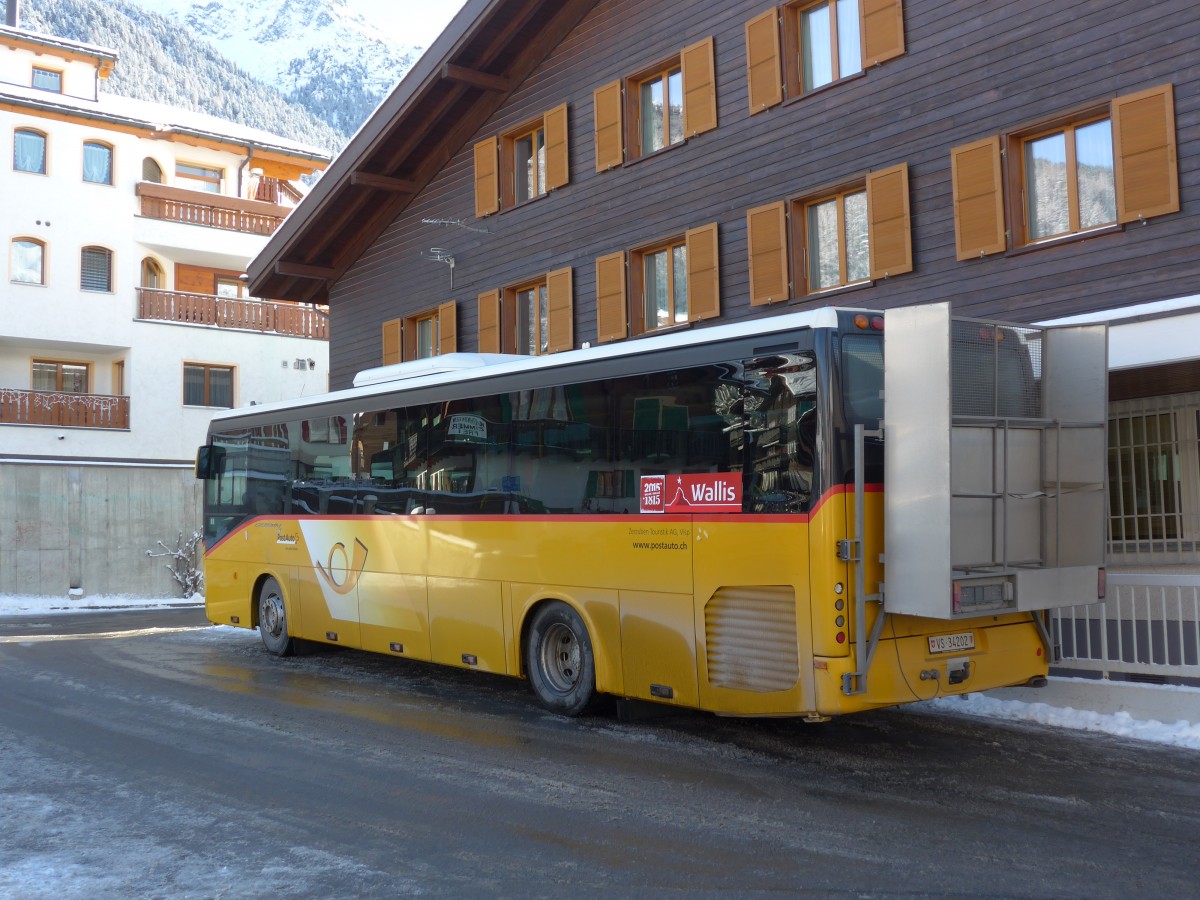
(210, 461)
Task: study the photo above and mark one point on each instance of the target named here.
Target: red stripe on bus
(748, 518)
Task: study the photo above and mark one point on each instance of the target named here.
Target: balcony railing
(227, 312)
(18, 407)
(209, 210)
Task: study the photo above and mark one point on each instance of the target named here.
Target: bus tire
(272, 620)
(559, 660)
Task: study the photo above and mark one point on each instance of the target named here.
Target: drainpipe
(242, 170)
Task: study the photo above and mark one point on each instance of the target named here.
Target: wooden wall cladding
(968, 71)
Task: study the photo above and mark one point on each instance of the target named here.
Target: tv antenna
(456, 223)
(440, 254)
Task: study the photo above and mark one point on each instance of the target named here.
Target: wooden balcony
(18, 407)
(172, 204)
(225, 312)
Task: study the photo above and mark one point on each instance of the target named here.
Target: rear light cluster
(863, 321)
(840, 605)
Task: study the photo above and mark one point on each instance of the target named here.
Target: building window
(529, 164)
(851, 233)
(1153, 491)
(830, 42)
(671, 283)
(62, 377)
(657, 108)
(822, 43)
(433, 332)
(835, 240)
(29, 151)
(198, 178)
(532, 317)
(1107, 166)
(27, 259)
(661, 280)
(205, 385)
(659, 115)
(153, 275)
(230, 288)
(95, 269)
(522, 164)
(151, 170)
(97, 163)
(1069, 180)
(47, 80)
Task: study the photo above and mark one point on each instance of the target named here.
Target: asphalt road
(143, 754)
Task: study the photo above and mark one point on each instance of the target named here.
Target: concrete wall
(65, 526)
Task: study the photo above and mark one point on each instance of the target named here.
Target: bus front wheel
(559, 660)
(272, 619)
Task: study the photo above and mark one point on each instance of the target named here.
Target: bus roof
(458, 368)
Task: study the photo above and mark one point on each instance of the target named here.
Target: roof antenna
(457, 223)
(438, 254)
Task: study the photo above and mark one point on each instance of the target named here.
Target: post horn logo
(353, 571)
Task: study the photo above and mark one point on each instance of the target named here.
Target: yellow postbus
(696, 519)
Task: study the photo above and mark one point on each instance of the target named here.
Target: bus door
(324, 499)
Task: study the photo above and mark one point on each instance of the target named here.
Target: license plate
(952, 643)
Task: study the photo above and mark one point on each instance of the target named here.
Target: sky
(409, 21)
(1178, 734)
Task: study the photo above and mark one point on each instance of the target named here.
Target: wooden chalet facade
(558, 174)
(933, 123)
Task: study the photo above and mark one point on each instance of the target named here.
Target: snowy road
(147, 755)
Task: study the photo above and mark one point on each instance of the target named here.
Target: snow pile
(21, 605)
(1121, 724)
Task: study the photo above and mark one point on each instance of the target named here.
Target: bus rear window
(862, 377)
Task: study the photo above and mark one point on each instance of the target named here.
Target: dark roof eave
(420, 78)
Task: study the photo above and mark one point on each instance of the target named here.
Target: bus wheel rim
(272, 614)
(561, 657)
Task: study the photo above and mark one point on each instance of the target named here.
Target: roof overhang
(489, 48)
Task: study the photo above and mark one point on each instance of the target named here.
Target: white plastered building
(124, 317)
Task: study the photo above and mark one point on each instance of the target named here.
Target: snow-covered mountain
(159, 61)
(318, 53)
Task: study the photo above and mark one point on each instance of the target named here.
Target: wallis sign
(709, 492)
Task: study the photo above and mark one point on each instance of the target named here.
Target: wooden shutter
(489, 322)
(560, 298)
(392, 331)
(882, 30)
(1147, 170)
(608, 126)
(699, 88)
(487, 177)
(447, 328)
(766, 240)
(889, 230)
(978, 199)
(762, 61)
(610, 298)
(408, 340)
(558, 167)
(703, 275)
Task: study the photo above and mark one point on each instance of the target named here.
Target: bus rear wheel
(559, 660)
(272, 619)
